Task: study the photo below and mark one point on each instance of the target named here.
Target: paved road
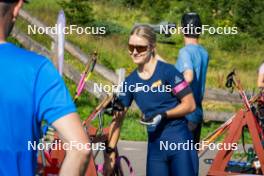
(137, 151)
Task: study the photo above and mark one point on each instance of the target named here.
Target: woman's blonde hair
(146, 32)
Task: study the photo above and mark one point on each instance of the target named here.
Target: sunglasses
(139, 48)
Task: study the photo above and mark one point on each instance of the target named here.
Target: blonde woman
(164, 98)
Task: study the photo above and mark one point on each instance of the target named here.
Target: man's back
(195, 58)
(30, 90)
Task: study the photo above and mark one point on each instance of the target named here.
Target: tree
(78, 11)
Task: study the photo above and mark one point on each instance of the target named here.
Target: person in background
(31, 90)
(164, 111)
(260, 81)
(192, 62)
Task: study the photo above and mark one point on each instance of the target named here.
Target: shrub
(111, 28)
(241, 41)
(77, 11)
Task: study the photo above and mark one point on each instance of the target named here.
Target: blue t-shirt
(195, 58)
(162, 92)
(31, 90)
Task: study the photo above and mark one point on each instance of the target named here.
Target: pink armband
(180, 87)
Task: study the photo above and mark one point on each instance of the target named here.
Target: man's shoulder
(30, 54)
(183, 49)
(193, 49)
(203, 49)
(186, 52)
(28, 57)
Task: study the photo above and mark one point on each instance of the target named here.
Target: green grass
(221, 106)
(113, 51)
(113, 54)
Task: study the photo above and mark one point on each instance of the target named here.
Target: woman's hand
(154, 122)
(109, 164)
